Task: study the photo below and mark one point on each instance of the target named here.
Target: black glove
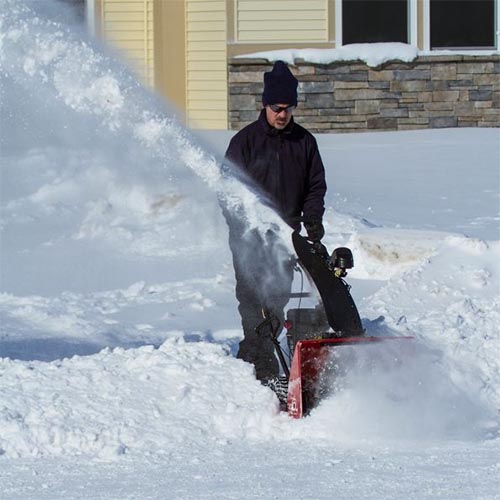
(315, 231)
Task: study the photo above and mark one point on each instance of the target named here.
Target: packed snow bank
(384, 253)
(146, 399)
(154, 401)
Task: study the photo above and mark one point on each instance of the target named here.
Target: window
(462, 23)
(368, 21)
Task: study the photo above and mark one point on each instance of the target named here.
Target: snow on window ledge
(373, 54)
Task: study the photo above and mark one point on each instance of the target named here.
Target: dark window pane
(462, 23)
(368, 21)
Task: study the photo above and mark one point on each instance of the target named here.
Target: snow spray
(396, 391)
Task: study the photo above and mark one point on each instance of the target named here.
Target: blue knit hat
(280, 86)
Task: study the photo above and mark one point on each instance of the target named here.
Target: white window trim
(338, 23)
(427, 25)
(413, 22)
(497, 24)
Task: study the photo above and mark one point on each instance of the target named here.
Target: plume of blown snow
(131, 145)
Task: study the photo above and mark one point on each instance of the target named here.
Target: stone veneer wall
(430, 92)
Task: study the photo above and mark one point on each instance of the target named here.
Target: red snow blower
(315, 334)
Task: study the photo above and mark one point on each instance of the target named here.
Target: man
(279, 159)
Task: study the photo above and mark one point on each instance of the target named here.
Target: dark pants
(264, 274)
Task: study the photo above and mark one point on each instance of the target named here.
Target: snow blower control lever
(341, 260)
(273, 324)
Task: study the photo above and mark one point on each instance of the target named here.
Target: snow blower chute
(313, 333)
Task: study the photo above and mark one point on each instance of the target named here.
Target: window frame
(412, 23)
(467, 50)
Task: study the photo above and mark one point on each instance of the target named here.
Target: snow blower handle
(315, 230)
(313, 226)
(320, 249)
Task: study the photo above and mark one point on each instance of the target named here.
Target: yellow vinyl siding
(200, 56)
(212, 95)
(279, 21)
(203, 47)
(203, 85)
(207, 76)
(196, 16)
(204, 6)
(206, 64)
(202, 35)
(129, 26)
(121, 6)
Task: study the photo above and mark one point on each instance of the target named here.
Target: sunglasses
(278, 109)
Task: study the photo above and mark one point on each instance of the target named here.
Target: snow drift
(147, 399)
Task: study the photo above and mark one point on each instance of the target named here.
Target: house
(182, 47)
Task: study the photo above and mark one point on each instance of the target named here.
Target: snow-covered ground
(119, 324)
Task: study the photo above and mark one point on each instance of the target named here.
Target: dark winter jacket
(283, 165)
